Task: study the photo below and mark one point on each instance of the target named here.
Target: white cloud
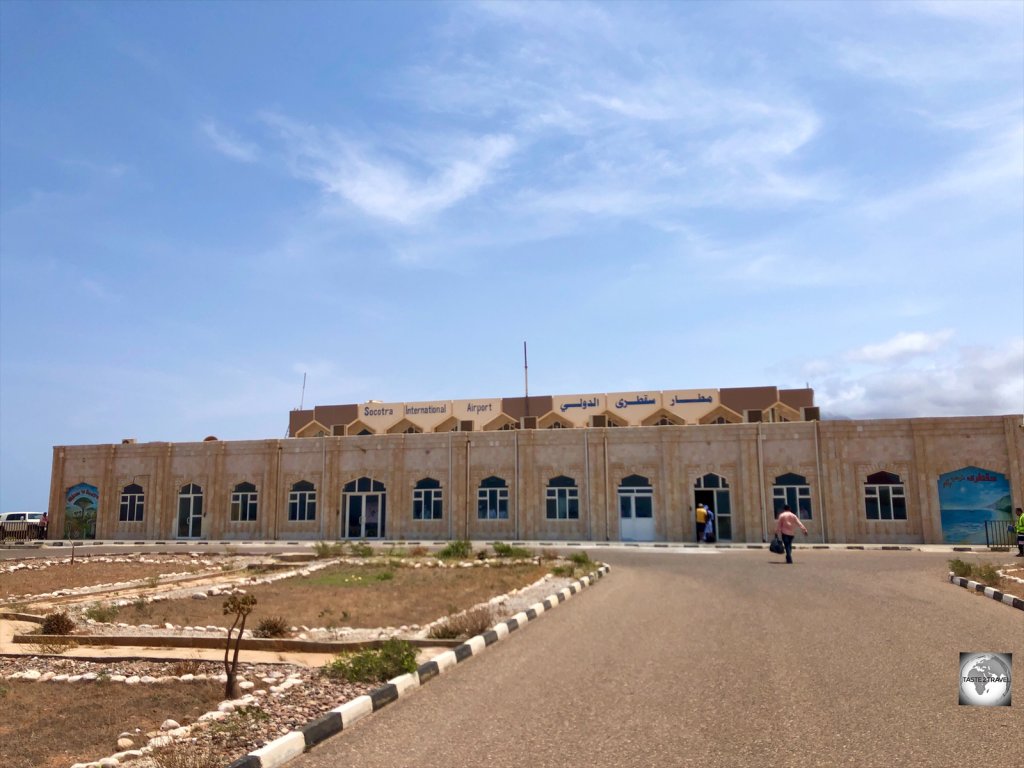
(228, 144)
(901, 347)
(400, 184)
(965, 381)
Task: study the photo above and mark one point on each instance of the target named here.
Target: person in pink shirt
(786, 526)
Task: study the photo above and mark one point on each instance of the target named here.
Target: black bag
(777, 546)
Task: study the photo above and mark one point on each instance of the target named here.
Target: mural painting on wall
(80, 511)
(967, 498)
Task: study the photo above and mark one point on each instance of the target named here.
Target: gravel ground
(275, 713)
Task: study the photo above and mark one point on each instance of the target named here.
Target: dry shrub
(185, 667)
(465, 624)
(187, 754)
(58, 623)
(272, 626)
(418, 552)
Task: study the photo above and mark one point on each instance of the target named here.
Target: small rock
(125, 743)
(169, 725)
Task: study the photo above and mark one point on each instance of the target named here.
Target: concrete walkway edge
(295, 743)
(992, 592)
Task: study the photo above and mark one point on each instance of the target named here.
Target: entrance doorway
(365, 509)
(636, 509)
(190, 512)
(712, 491)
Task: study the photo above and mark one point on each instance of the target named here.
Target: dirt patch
(49, 725)
(351, 596)
(87, 572)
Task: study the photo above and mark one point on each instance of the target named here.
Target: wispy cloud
(229, 144)
(901, 347)
(400, 184)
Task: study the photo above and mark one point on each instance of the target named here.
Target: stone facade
(832, 458)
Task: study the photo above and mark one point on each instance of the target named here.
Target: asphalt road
(732, 659)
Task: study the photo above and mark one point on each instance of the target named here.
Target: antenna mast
(526, 379)
(302, 400)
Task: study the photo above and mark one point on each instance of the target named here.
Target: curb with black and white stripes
(293, 744)
(992, 592)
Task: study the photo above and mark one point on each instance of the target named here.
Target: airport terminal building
(629, 466)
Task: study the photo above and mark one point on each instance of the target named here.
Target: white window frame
(569, 496)
(884, 494)
(495, 500)
(132, 508)
(244, 506)
(302, 505)
(428, 502)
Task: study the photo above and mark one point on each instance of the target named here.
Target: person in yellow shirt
(702, 518)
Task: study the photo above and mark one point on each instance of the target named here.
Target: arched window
(133, 502)
(492, 499)
(792, 489)
(885, 497)
(302, 501)
(364, 485)
(563, 499)
(244, 503)
(427, 500)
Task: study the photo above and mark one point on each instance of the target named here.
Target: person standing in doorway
(1020, 532)
(702, 518)
(786, 526)
(709, 525)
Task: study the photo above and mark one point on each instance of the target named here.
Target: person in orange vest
(1020, 532)
(786, 525)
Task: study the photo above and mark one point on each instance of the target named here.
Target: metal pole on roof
(526, 380)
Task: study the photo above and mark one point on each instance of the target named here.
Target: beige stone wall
(835, 457)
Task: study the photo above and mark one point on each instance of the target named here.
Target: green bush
(582, 560)
(377, 665)
(58, 623)
(102, 612)
(385, 576)
(456, 550)
(507, 550)
(272, 626)
(960, 568)
(360, 549)
(325, 549)
(987, 574)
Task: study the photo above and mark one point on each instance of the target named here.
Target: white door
(636, 514)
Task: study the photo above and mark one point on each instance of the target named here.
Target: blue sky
(202, 202)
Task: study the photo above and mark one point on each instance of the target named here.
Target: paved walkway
(845, 658)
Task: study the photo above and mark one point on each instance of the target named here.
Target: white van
(20, 525)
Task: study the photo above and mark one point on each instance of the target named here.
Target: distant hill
(1005, 504)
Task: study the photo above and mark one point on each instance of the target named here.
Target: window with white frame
(302, 502)
(885, 497)
(563, 499)
(133, 502)
(792, 489)
(244, 503)
(492, 499)
(427, 503)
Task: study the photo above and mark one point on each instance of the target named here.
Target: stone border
(295, 743)
(992, 592)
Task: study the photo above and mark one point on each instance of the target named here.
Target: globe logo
(985, 679)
